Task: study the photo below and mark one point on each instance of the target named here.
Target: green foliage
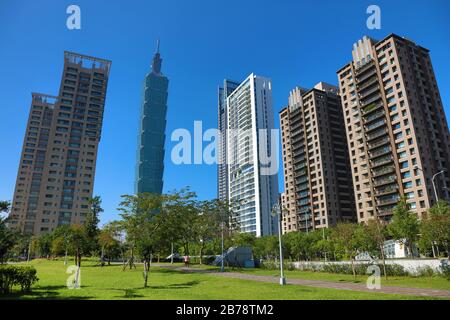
(361, 269)
(44, 244)
(8, 239)
(91, 224)
(11, 275)
(4, 206)
(404, 224)
(435, 228)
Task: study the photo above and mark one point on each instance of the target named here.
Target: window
(402, 154)
(407, 185)
(404, 165)
(406, 175)
(400, 145)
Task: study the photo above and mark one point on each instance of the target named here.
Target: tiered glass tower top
(152, 126)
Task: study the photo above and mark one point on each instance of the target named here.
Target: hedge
(360, 269)
(23, 276)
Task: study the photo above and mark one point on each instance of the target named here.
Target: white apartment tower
(252, 178)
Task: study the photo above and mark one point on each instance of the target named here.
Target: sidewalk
(326, 284)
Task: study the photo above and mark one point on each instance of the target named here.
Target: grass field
(434, 282)
(110, 282)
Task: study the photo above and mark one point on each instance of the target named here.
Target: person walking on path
(186, 261)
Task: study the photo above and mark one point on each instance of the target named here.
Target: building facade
(152, 130)
(55, 179)
(318, 183)
(222, 167)
(396, 127)
(253, 187)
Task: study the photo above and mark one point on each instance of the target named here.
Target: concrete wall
(412, 266)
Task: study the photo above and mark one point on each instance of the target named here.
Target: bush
(340, 268)
(11, 275)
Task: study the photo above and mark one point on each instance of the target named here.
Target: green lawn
(435, 282)
(111, 282)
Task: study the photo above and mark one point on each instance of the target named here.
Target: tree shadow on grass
(350, 281)
(184, 285)
(43, 293)
(131, 293)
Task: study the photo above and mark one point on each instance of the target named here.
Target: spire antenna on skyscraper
(156, 64)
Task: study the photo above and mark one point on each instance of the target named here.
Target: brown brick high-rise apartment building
(318, 186)
(57, 166)
(396, 127)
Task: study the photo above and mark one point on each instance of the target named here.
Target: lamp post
(434, 186)
(277, 210)
(222, 268)
(432, 181)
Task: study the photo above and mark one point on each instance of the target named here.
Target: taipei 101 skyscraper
(152, 126)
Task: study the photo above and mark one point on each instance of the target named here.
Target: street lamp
(222, 267)
(432, 181)
(434, 186)
(277, 210)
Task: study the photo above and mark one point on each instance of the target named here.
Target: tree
(208, 224)
(405, 225)
(79, 244)
(4, 206)
(44, 244)
(143, 214)
(61, 237)
(91, 223)
(349, 238)
(8, 238)
(377, 232)
(108, 242)
(244, 240)
(435, 228)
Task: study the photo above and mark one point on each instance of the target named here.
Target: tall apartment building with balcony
(396, 127)
(252, 186)
(222, 166)
(57, 167)
(317, 179)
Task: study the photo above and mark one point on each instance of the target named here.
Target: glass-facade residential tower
(222, 167)
(152, 126)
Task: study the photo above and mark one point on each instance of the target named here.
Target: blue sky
(202, 42)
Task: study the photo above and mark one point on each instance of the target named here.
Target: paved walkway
(323, 284)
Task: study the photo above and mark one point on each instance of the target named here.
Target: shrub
(11, 275)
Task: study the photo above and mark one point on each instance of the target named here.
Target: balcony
(302, 195)
(302, 186)
(373, 116)
(378, 143)
(367, 84)
(375, 125)
(300, 173)
(371, 100)
(383, 170)
(386, 190)
(360, 70)
(297, 139)
(300, 166)
(382, 181)
(386, 211)
(371, 107)
(381, 161)
(363, 93)
(379, 152)
(365, 72)
(301, 180)
(376, 134)
(388, 200)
